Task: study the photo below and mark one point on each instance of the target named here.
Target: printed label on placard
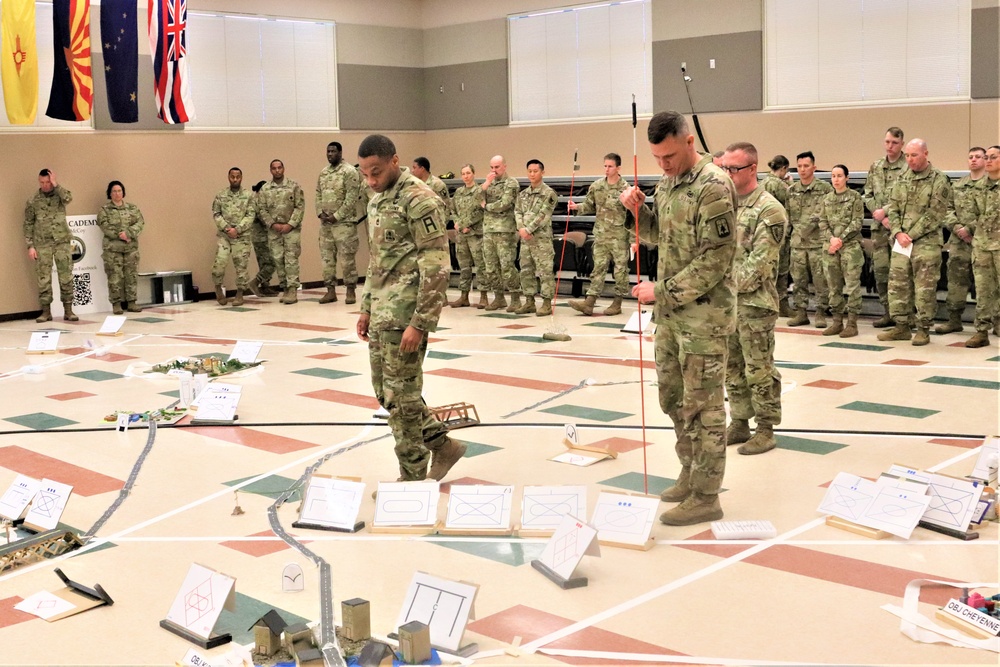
(973, 616)
(44, 341)
(123, 421)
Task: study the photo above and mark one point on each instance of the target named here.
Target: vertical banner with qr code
(90, 283)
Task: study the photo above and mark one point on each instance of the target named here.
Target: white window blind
(580, 62)
(258, 72)
(866, 51)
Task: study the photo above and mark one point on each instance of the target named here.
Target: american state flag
(167, 44)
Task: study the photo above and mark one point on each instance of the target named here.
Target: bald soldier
(404, 292)
(500, 236)
(694, 222)
(919, 205)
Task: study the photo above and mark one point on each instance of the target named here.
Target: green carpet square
(632, 481)
(149, 320)
(446, 356)
(797, 367)
(606, 325)
(527, 339)
(886, 409)
(504, 316)
(500, 551)
(583, 412)
(172, 394)
(857, 346)
(271, 487)
(808, 446)
(963, 382)
(325, 373)
(248, 610)
(96, 376)
(477, 448)
(40, 421)
(317, 340)
(239, 309)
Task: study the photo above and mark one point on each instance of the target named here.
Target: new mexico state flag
(19, 60)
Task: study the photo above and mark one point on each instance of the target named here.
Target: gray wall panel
(736, 83)
(380, 98)
(483, 103)
(985, 72)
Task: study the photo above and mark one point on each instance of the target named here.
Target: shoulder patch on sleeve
(777, 232)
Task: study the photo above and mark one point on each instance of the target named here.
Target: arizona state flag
(168, 46)
(120, 45)
(19, 61)
(72, 96)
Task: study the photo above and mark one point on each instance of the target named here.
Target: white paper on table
(624, 519)
(48, 505)
(883, 505)
(44, 605)
(201, 599)
(112, 324)
(217, 406)
(221, 388)
(575, 459)
(15, 500)
(44, 341)
(898, 247)
(572, 540)
(333, 502)
(543, 507)
(246, 351)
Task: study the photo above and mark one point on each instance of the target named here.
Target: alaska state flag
(168, 46)
(72, 96)
(19, 61)
(120, 46)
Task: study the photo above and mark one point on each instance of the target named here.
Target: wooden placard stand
(476, 532)
(82, 597)
(456, 415)
(428, 529)
(850, 526)
(214, 422)
(211, 642)
(960, 625)
(534, 532)
(551, 575)
(645, 546)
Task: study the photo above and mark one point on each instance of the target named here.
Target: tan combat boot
(798, 319)
(737, 432)
(884, 321)
(953, 325)
(585, 306)
(763, 440)
(696, 508)
(820, 318)
(330, 296)
(484, 299)
(898, 332)
(615, 308)
(980, 339)
(545, 308)
(255, 288)
(238, 299)
(498, 301)
(515, 302)
(851, 328)
(836, 326)
(681, 488)
(116, 307)
(68, 313)
(783, 309)
(291, 296)
(352, 294)
(444, 457)
(220, 295)
(462, 301)
(46, 314)
(528, 308)
(922, 337)
(133, 307)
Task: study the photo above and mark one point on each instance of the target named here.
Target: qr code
(82, 295)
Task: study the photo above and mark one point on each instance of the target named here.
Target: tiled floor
(814, 595)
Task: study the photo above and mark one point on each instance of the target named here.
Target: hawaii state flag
(72, 96)
(19, 60)
(120, 46)
(168, 46)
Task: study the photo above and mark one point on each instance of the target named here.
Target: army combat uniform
(753, 383)
(468, 211)
(842, 218)
(405, 286)
(500, 242)
(694, 224)
(986, 259)
(533, 212)
(261, 249)
(805, 207)
(46, 230)
(284, 203)
(778, 189)
(121, 258)
(610, 244)
(233, 210)
(337, 191)
(959, 255)
(918, 206)
(882, 176)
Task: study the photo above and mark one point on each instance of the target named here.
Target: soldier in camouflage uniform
(467, 204)
(919, 205)
(777, 186)
(337, 191)
(421, 168)
(262, 251)
(233, 211)
(986, 249)
(500, 236)
(402, 300)
(49, 240)
(960, 243)
(533, 218)
(840, 228)
(610, 236)
(694, 223)
(805, 207)
(121, 223)
(281, 207)
(753, 383)
(882, 176)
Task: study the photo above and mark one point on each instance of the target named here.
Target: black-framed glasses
(736, 170)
